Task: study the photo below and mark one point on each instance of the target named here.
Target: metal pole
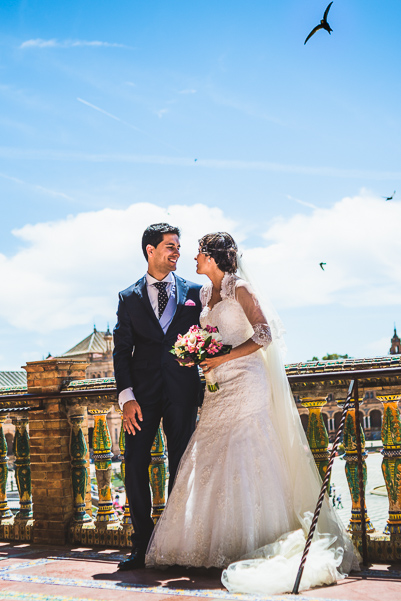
(323, 490)
(360, 475)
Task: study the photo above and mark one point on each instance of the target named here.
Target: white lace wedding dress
(235, 490)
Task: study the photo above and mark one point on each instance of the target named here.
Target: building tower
(395, 344)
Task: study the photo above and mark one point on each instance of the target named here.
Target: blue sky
(105, 106)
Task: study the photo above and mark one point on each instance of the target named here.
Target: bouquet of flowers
(197, 345)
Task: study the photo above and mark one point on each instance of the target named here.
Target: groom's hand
(131, 415)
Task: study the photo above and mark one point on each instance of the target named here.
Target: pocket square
(189, 303)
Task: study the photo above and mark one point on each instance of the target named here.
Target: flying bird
(389, 197)
(321, 265)
(195, 160)
(322, 25)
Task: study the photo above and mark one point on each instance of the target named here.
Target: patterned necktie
(162, 298)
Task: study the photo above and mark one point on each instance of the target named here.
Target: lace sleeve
(205, 294)
(248, 301)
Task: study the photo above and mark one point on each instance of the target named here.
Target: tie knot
(161, 286)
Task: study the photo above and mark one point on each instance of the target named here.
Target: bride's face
(202, 262)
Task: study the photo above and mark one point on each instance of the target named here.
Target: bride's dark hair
(222, 248)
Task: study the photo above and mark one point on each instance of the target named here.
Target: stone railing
(52, 468)
(312, 387)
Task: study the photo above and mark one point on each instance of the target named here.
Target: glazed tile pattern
(18, 573)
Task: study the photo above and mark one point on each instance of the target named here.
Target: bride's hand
(212, 362)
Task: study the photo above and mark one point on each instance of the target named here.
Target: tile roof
(12, 378)
(94, 343)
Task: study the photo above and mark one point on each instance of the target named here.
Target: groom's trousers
(178, 425)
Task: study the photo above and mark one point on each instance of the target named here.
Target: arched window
(337, 419)
(375, 419)
(90, 437)
(304, 420)
(10, 444)
(326, 420)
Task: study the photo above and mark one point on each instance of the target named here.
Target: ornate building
(97, 350)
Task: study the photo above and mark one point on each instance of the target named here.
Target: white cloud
(161, 113)
(358, 239)
(55, 155)
(36, 187)
(54, 43)
(69, 272)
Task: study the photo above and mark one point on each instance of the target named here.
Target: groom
(150, 383)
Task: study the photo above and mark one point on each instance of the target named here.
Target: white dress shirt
(128, 394)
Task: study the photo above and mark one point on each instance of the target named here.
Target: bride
(247, 482)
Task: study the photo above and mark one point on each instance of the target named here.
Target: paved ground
(30, 573)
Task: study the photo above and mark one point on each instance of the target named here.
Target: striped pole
(323, 490)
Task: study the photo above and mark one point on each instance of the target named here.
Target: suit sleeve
(124, 342)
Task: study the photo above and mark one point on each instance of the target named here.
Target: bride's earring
(209, 259)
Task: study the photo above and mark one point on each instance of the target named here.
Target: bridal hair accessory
(197, 345)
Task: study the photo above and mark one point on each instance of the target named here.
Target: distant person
(339, 502)
(116, 504)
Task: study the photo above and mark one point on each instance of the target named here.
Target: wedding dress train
(247, 479)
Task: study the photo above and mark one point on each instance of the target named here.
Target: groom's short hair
(153, 235)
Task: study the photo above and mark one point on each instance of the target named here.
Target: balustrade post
(351, 469)
(316, 433)
(50, 434)
(79, 472)
(102, 457)
(5, 511)
(23, 468)
(126, 519)
(157, 476)
(391, 466)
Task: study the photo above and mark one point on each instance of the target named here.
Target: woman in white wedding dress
(247, 482)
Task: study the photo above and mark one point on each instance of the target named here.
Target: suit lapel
(182, 291)
(142, 292)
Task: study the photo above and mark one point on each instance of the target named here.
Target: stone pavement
(34, 573)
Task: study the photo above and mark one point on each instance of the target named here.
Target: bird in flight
(195, 160)
(389, 197)
(322, 25)
(321, 265)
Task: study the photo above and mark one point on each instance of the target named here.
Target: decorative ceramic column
(5, 511)
(158, 476)
(79, 472)
(391, 466)
(102, 456)
(23, 468)
(126, 519)
(351, 469)
(316, 433)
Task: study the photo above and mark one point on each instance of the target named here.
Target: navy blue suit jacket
(141, 349)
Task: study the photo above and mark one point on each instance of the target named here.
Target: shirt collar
(150, 280)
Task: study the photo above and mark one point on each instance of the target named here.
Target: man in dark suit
(150, 383)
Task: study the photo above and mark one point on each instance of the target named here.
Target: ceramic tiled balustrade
(52, 468)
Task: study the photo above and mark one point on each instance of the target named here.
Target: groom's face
(164, 257)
